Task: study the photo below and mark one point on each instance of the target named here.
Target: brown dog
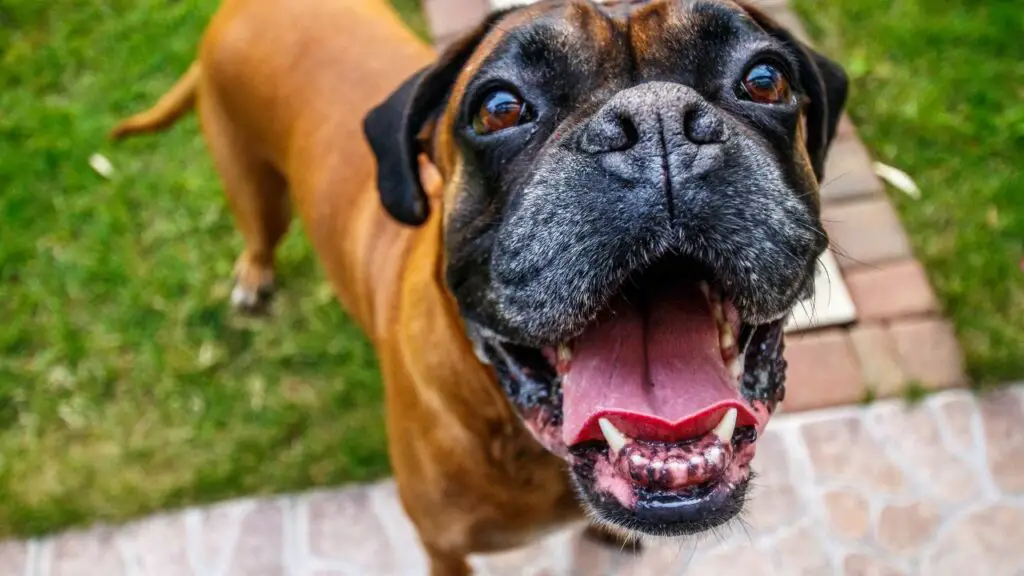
(624, 209)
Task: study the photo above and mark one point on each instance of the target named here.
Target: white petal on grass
(898, 179)
(101, 165)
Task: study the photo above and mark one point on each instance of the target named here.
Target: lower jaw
(663, 513)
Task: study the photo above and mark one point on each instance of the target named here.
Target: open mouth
(657, 404)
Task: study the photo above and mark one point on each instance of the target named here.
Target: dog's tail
(171, 106)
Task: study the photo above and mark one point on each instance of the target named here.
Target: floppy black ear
(826, 85)
(393, 127)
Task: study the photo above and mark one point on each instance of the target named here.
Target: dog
(572, 238)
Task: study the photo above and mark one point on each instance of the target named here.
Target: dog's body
(284, 118)
(282, 89)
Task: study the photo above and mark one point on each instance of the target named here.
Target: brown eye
(501, 109)
(765, 84)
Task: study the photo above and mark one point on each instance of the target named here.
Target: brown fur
(281, 89)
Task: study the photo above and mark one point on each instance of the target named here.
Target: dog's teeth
(726, 427)
(564, 353)
(616, 440)
(737, 368)
(726, 339)
(714, 456)
(705, 290)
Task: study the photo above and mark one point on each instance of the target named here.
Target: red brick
(929, 352)
(822, 370)
(879, 362)
(865, 232)
(848, 172)
(448, 18)
(788, 20)
(845, 129)
(891, 290)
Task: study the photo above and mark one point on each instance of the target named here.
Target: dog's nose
(656, 116)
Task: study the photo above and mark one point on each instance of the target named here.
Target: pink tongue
(656, 374)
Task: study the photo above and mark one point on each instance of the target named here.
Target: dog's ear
(826, 85)
(394, 126)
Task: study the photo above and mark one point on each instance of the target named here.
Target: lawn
(126, 383)
(938, 91)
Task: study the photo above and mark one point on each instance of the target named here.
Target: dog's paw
(254, 286)
(250, 301)
(620, 541)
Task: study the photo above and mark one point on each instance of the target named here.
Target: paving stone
(454, 17)
(86, 554)
(738, 560)
(801, 553)
(772, 502)
(13, 557)
(595, 558)
(661, 557)
(848, 513)
(532, 560)
(879, 363)
(849, 172)
(865, 233)
(891, 290)
(902, 529)
(987, 541)
(929, 352)
(842, 451)
(1003, 422)
(157, 546)
(913, 438)
(259, 549)
(219, 525)
(957, 414)
(822, 370)
(333, 535)
(863, 565)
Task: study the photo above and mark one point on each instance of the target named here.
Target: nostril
(630, 134)
(703, 127)
(611, 131)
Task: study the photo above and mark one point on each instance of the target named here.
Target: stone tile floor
(888, 489)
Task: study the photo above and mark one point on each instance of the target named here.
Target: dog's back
(281, 89)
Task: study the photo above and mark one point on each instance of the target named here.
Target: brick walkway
(884, 490)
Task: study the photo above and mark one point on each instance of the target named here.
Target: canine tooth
(726, 427)
(705, 290)
(564, 353)
(616, 440)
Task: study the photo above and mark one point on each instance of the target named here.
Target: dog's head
(630, 212)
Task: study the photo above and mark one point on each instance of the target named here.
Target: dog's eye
(765, 84)
(499, 110)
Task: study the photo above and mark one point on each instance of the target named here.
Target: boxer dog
(572, 237)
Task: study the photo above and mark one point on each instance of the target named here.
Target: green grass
(938, 91)
(126, 383)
